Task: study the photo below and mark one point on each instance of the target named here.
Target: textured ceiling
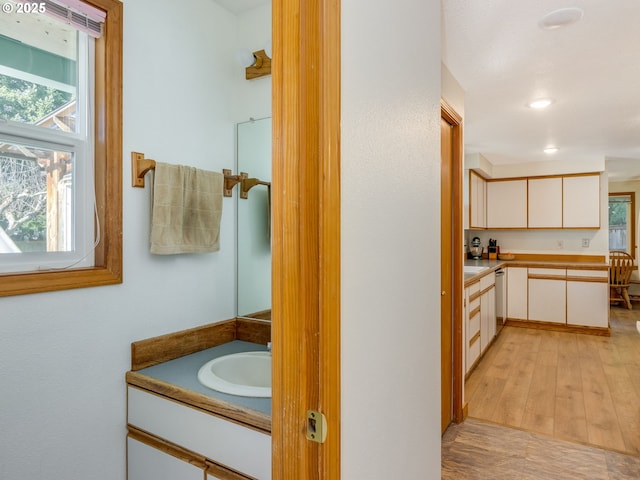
(503, 59)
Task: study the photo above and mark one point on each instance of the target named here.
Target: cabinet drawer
(473, 352)
(474, 325)
(588, 275)
(547, 273)
(473, 288)
(487, 281)
(237, 447)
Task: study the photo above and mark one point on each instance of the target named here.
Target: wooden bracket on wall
(139, 167)
(261, 67)
(230, 181)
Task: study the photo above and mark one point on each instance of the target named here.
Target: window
(60, 146)
(622, 222)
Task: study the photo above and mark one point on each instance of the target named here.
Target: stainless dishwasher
(501, 299)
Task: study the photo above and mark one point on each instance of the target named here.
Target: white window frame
(81, 145)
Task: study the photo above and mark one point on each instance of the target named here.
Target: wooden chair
(620, 268)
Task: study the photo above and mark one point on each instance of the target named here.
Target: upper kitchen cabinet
(581, 201)
(507, 203)
(477, 201)
(545, 202)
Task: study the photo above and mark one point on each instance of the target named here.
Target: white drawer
(473, 304)
(548, 272)
(588, 273)
(487, 281)
(473, 353)
(237, 447)
(473, 288)
(474, 325)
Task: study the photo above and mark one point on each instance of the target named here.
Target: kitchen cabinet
(507, 204)
(517, 293)
(477, 201)
(581, 201)
(547, 295)
(588, 298)
(145, 462)
(545, 202)
(487, 310)
(472, 325)
(212, 437)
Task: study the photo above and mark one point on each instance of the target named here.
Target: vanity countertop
(177, 379)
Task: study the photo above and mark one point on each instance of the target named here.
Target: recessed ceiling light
(540, 103)
(550, 150)
(561, 18)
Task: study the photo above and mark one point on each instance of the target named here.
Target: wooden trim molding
(448, 113)
(559, 327)
(306, 235)
(152, 351)
(108, 172)
(587, 279)
(167, 447)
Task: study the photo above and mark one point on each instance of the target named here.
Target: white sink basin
(473, 268)
(247, 374)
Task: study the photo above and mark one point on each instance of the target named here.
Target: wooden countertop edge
(597, 266)
(230, 411)
(160, 349)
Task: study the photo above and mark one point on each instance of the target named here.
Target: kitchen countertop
(495, 264)
(178, 379)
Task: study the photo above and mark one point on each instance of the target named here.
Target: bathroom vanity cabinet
(197, 435)
(180, 430)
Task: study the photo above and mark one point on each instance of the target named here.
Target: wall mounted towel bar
(248, 183)
(140, 166)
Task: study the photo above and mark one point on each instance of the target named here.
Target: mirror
(254, 225)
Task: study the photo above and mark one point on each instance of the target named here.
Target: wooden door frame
(306, 236)
(455, 120)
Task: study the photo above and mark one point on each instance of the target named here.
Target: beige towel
(187, 206)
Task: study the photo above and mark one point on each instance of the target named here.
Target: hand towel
(187, 207)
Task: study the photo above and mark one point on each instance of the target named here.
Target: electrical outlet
(585, 243)
(560, 244)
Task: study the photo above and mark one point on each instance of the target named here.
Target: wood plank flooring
(476, 450)
(574, 387)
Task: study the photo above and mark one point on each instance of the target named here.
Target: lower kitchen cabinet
(517, 293)
(548, 295)
(487, 310)
(472, 325)
(588, 298)
(479, 318)
(145, 462)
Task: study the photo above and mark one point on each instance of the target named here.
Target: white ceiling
(503, 59)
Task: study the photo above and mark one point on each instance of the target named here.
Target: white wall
(390, 224)
(63, 356)
(253, 98)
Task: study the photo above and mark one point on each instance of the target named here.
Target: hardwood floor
(574, 387)
(476, 450)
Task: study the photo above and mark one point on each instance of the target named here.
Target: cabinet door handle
(443, 293)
